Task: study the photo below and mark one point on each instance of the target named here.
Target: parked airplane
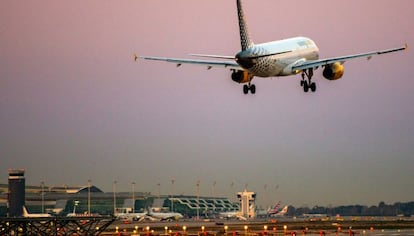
(28, 215)
(131, 216)
(232, 215)
(274, 210)
(163, 216)
(278, 58)
(281, 213)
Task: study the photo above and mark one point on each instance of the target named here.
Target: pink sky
(73, 101)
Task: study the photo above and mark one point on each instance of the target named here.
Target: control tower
(247, 203)
(17, 185)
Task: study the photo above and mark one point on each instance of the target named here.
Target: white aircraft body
(232, 215)
(163, 216)
(131, 216)
(298, 55)
(28, 215)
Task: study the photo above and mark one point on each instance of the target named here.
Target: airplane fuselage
(277, 58)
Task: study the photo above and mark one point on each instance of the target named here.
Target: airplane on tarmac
(232, 215)
(131, 216)
(281, 213)
(28, 215)
(298, 55)
(163, 216)
(273, 212)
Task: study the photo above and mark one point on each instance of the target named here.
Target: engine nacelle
(241, 77)
(333, 71)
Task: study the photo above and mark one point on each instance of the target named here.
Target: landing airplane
(278, 58)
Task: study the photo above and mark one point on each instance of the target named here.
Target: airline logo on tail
(275, 209)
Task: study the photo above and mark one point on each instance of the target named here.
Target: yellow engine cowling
(333, 71)
(241, 77)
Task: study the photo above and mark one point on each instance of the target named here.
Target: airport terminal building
(67, 199)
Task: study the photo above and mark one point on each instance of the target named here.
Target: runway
(264, 227)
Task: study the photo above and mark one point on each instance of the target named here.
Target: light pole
(42, 184)
(89, 197)
(214, 195)
(114, 190)
(232, 187)
(172, 195)
(265, 199)
(198, 199)
(159, 190)
(133, 197)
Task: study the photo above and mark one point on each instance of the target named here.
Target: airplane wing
(209, 63)
(324, 62)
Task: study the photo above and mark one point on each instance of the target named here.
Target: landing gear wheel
(253, 89)
(308, 84)
(313, 87)
(249, 87)
(245, 89)
(305, 86)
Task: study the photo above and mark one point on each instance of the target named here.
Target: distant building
(248, 204)
(16, 192)
(187, 205)
(61, 201)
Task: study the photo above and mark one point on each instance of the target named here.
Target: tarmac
(266, 227)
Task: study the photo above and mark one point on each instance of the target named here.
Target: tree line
(383, 209)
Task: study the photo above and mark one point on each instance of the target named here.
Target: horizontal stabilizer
(213, 56)
(208, 63)
(267, 55)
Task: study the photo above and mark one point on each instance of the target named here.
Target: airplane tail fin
(284, 210)
(245, 40)
(275, 209)
(25, 212)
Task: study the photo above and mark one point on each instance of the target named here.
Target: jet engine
(241, 77)
(333, 71)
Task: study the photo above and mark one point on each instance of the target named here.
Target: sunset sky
(75, 106)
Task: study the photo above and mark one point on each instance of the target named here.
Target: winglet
(135, 57)
(406, 46)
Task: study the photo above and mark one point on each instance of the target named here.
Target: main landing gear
(249, 87)
(308, 84)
